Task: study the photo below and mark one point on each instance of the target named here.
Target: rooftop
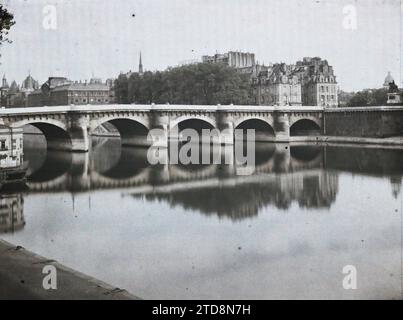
(82, 87)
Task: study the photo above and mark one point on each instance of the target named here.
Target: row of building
(308, 82)
(56, 91)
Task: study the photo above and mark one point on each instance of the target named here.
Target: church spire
(4, 83)
(140, 66)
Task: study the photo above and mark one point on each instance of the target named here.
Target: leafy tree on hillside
(191, 84)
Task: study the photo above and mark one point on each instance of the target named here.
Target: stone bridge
(70, 127)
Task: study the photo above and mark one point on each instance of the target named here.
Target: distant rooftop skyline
(108, 36)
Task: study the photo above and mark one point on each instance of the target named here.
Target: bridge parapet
(156, 107)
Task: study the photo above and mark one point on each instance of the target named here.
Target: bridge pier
(79, 130)
(226, 128)
(80, 140)
(161, 123)
(281, 126)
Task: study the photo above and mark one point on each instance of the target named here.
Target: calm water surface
(203, 232)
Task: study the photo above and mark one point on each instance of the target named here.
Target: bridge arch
(193, 122)
(305, 127)
(263, 129)
(133, 131)
(197, 123)
(55, 132)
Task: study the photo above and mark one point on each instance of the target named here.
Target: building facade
(80, 93)
(279, 86)
(11, 147)
(56, 91)
(15, 96)
(232, 58)
(61, 91)
(319, 85)
(308, 82)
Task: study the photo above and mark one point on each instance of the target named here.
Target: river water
(204, 232)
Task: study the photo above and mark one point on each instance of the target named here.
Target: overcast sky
(102, 37)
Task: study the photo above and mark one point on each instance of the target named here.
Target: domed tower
(29, 84)
(388, 80)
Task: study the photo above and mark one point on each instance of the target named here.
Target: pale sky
(101, 37)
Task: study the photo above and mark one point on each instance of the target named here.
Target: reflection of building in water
(11, 213)
(311, 189)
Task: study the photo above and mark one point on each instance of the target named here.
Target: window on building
(3, 144)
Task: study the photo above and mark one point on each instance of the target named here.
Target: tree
(6, 22)
(374, 97)
(121, 89)
(191, 84)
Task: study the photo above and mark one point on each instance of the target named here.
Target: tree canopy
(6, 22)
(374, 97)
(200, 83)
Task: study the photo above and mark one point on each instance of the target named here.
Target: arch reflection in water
(303, 174)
